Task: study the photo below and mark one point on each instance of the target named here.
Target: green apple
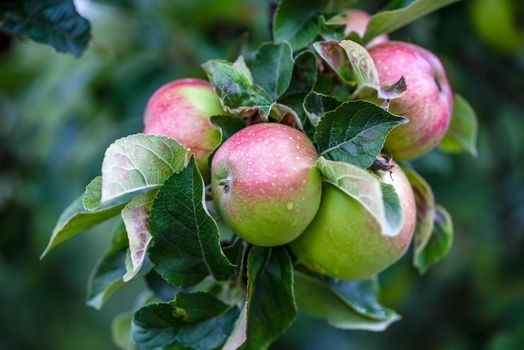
(181, 109)
(265, 183)
(345, 241)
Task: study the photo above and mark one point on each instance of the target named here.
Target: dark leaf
(53, 22)
(107, 276)
(186, 245)
(273, 67)
(271, 305)
(191, 321)
(296, 21)
(236, 90)
(355, 132)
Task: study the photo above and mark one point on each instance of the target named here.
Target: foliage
(127, 98)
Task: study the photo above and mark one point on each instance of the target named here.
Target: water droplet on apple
(289, 205)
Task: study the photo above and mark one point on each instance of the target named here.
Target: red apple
(427, 104)
(265, 183)
(345, 241)
(181, 109)
(357, 22)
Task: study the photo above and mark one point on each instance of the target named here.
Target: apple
(427, 104)
(265, 183)
(181, 109)
(345, 241)
(357, 22)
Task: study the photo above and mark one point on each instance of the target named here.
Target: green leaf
(379, 199)
(235, 89)
(191, 321)
(344, 304)
(365, 74)
(425, 211)
(121, 331)
(241, 65)
(335, 56)
(439, 243)
(271, 307)
(186, 245)
(385, 22)
(273, 67)
(75, 219)
(228, 125)
(93, 193)
(159, 287)
(317, 104)
(296, 21)
(136, 218)
(52, 22)
(362, 296)
(139, 163)
(355, 67)
(355, 132)
(304, 74)
(106, 278)
(239, 334)
(462, 133)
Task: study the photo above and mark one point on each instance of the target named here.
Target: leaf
(362, 296)
(335, 56)
(121, 331)
(355, 67)
(462, 133)
(296, 21)
(240, 64)
(106, 278)
(75, 219)
(138, 163)
(236, 91)
(191, 321)
(136, 218)
(304, 74)
(379, 199)
(285, 115)
(344, 304)
(186, 244)
(228, 125)
(273, 67)
(160, 288)
(271, 307)
(53, 22)
(439, 243)
(93, 194)
(355, 132)
(317, 104)
(385, 22)
(425, 210)
(239, 334)
(365, 74)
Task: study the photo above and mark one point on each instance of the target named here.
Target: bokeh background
(59, 113)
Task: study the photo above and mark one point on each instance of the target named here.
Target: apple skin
(181, 109)
(344, 241)
(428, 102)
(357, 21)
(265, 183)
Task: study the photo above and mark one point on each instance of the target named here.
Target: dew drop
(289, 205)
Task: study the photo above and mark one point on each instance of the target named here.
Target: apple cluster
(264, 180)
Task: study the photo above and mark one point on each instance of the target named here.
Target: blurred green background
(58, 114)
